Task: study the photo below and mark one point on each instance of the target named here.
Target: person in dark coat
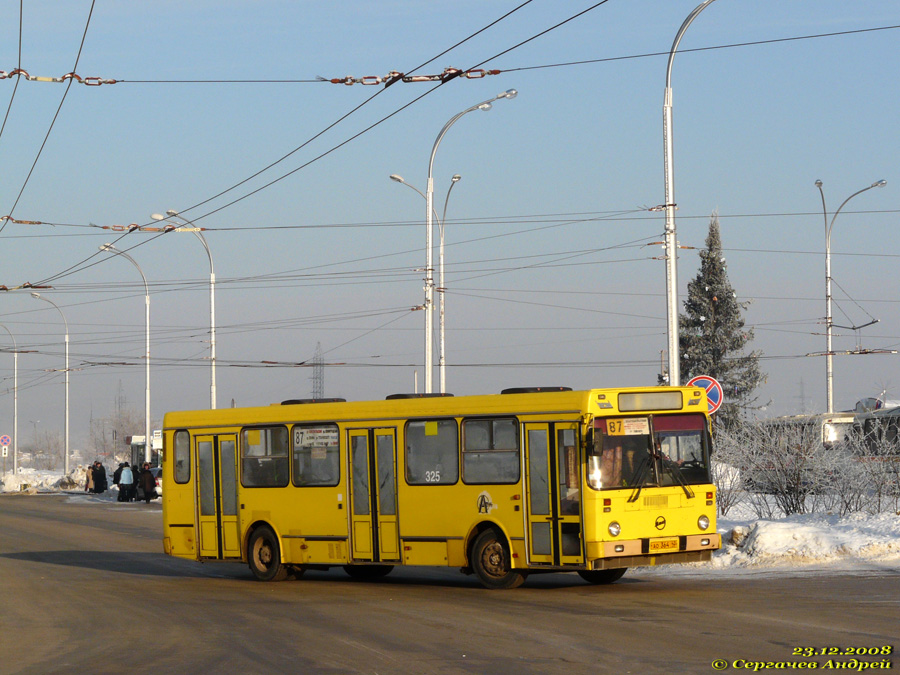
(147, 482)
(100, 483)
(135, 483)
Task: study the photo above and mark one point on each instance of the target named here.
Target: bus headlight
(614, 529)
(703, 522)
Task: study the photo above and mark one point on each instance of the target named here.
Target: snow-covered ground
(815, 541)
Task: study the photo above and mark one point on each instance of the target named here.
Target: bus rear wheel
(264, 556)
(367, 572)
(492, 563)
(602, 576)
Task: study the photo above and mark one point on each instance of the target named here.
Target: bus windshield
(661, 450)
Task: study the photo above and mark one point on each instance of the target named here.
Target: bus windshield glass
(658, 450)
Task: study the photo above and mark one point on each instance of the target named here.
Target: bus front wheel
(492, 563)
(602, 576)
(265, 556)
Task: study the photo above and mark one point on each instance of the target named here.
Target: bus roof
(632, 400)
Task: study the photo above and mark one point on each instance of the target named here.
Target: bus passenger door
(374, 530)
(553, 487)
(217, 496)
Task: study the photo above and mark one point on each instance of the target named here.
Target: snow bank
(809, 538)
(33, 481)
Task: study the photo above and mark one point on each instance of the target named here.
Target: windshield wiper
(638, 479)
(669, 467)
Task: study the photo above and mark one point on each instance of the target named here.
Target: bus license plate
(663, 545)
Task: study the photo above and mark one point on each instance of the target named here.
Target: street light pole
(429, 253)
(441, 289)
(16, 400)
(671, 241)
(442, 365)
(38, 296)
(109, 248)
(212, 299)
(829, 372)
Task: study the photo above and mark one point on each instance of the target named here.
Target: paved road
(84, 586)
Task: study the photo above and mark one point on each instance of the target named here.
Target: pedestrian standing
(148, 482)
(100, 484)
(89, 479)
(126, 481)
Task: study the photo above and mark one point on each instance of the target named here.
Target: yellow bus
(502, 486)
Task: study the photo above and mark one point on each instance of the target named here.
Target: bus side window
(432, 452)
(315, 454)
(264, 457)
(182, 456)
(491, 451)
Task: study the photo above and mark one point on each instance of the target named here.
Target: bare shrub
(784, 467)
(725, 466)
(876, 470)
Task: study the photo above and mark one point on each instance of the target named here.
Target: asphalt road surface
(85, 587)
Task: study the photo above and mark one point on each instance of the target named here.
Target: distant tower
(318, 377)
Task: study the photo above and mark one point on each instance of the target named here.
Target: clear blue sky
(550, 276)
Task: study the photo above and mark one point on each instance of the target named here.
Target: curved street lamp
(171, 213)
(442, 364)
(38, 296)
(16, 400)
(829, 372)
(429, 209)
(109, 248)
(671, 242)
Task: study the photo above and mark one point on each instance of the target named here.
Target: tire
(491, 562)
(368, 572)
(264, 556)
(602, 576)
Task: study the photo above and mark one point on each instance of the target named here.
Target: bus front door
(553, 482)
(374, 531)
(217, 496)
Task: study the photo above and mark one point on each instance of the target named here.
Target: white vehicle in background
(157, 490)
(157, 474)
(831, 428)
(879, 432)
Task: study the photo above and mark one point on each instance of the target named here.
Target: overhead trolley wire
(55, 117)
(81, 265)
(702, 49)
(18, 67)
(473, 73)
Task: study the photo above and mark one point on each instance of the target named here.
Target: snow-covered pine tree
(712, 335)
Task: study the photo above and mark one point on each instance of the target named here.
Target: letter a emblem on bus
(485, 505)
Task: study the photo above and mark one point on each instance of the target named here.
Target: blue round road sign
(5, 440)
(714, 394)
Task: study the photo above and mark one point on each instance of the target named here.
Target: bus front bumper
(652, 552)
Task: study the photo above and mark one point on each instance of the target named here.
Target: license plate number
(663, 545)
